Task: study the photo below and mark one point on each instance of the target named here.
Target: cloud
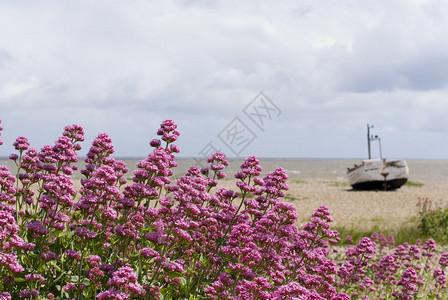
(5, 57)
(124, 66)
(396, 46)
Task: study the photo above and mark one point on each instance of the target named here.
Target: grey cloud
(427, 73)
(5, 58)
(302, 10)
(386, 47)
(122, 67)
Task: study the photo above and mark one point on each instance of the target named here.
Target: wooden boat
(378, 173)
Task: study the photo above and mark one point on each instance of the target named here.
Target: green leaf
(19, 279)
(41, 269)
(33, 255)
(173, 274)
(66, 242)
(85, 281)
(54, 264)
(61, 233)
(183, 281)
(87, 293)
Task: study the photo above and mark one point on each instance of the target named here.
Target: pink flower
(5, 295)
(48, 255)
(101, 148)
(37, 227)
(166, 201)
(125, 279)
(93, 260)
(25, 294)
(74, 132)
(168, 131)
(155, 143)
(174, 148)
(85, 233)
(257, 289)
(409, 284)
(149, 253)
(430, 247)
(440, 276)
(21, 143)
(217, 161)
(68, 287)
(290, 291)
(387, 268)
(113, 294)
(109, 213)
(275, 183)
(364, 250)
(7, 189)
(8, 225)
(251, 166)
(9, 260)
(35, 277)
(443, 260)
(73, 254)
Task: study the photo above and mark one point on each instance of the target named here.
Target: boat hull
(378, 174)
(380, 185)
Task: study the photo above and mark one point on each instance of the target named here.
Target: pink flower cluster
(7, 189)
(124, 284)
(404, 271)
(156, 237)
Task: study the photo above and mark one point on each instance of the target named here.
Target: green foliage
(435, 224)
(408, 232)
(338, 184)
(297, 181)
(414, 184)
(431, 223)
(290, 197)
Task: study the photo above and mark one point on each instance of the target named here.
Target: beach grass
(407, 232)
(290, 197)
(296, 181)
(414, 184)
(339, 184)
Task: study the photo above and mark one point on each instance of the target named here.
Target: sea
(296, 168)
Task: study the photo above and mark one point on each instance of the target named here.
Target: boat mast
(368, 139)
(372, 138)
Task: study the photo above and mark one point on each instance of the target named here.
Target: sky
(299, 79)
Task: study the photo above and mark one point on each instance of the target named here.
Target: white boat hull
(384, 174)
